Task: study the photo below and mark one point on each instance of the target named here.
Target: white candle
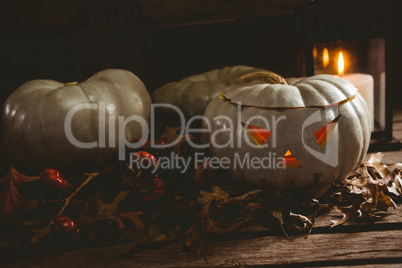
(365, 84)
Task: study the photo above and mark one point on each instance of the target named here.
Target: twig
(68, 199)
(245, 197)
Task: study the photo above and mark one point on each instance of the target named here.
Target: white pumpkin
(310, 132)
(34, 118)
(192, 94)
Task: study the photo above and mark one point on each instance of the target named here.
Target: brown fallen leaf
(217, 194)
(390, 174)
(11, 198)
(198, 173)
(171, 135)
(278, 214)
(109, 209)
(133, 217)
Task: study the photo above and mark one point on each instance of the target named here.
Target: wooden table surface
(377, 244)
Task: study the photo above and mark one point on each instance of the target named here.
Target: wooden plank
(397, 115)
(392, 157)
(359, 243)
(343, 248)
(392, 220)
(397, 134)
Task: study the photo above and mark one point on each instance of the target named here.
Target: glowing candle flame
(341, 64)
(325, 57)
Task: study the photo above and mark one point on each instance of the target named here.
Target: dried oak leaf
(10, 199)
(217, 194)
(300, 222)
(364, 194)
(278, 214)
(156, 234)
(133, 216)
(391, 174)
(108, 209)
(372, 185)
(171, 135)
(199, 173)
(350, 211)
(396, 186)
(377, 204)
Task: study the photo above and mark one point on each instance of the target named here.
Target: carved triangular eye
(323, 135)
(290, 162)
(257, 134)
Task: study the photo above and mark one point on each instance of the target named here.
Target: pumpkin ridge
(33, 91)
(327, 93)
(176, 92)
(340, 86)
(79, 85)
(312, 91)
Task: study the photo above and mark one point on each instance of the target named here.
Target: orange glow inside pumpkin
(290, 162)
(257, 134)
(325, 133)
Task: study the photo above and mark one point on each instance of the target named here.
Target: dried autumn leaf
(396, 185)
(171, 135)
(154, 231)
(391, 174)
(108, 209)
(10, 198)
(217, 194)
(377, 204)
(300, 222)
(199, 172)
(382, 201)
(278, 214)
(39, 234)
(243, 198)
(348, 212)
(253, 206)
(133, 217)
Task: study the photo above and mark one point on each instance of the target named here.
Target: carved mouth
(290, 162)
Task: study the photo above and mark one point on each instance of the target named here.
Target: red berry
(65, 226)
(144, 160)
(50, 171)
(158, 183)
(152, 191)
(145, 144)
(161, 141)
(53, 179)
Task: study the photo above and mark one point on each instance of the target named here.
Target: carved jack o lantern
(302, 133)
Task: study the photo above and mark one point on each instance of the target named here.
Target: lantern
(360, 32)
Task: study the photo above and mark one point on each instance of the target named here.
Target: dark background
(169, 39)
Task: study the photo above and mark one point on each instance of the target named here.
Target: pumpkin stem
(264, 77)
(71, 83)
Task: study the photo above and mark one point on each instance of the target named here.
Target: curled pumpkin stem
(71, 83)
(264, 77)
